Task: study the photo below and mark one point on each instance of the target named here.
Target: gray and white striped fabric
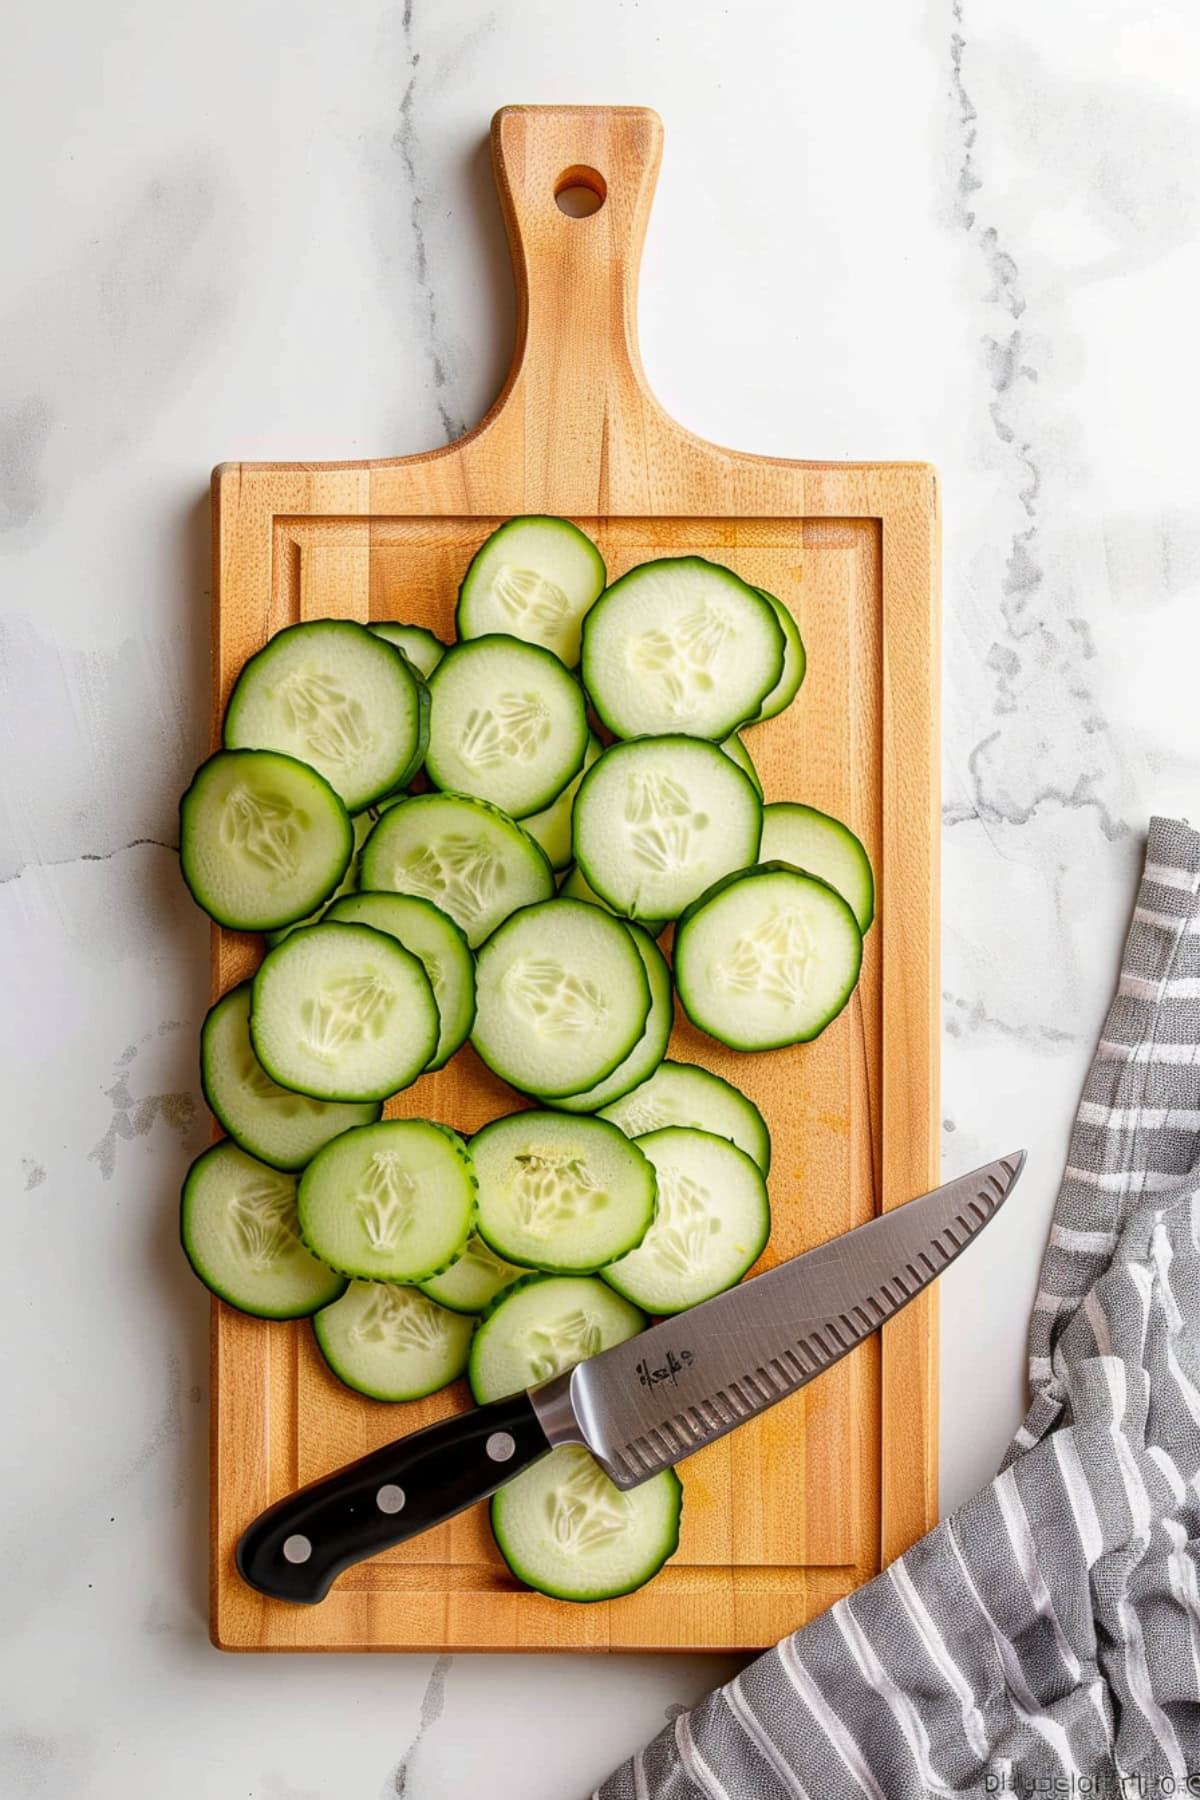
(1046, 1638)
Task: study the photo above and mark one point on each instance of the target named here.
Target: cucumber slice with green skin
(561, 997)
(558, 1194)
(389, 1202)
(574, 886)
(439, 945)
(392, 1343)
(472, 1283)
(712, 1223)
(469, 858)
(239, 1231)
(535, 578)
(795, 663)
(339, 698)
(681, 1094)
(737, 752)
(681, 645)
(423, 650)
(767, 958)
(551, 828)
(508, 724)
(565, 1530)
(362, 825)
(542, 1325)
(263, 839)
(650, 1048)
(658, 820)
(343, 1012)
(278, 1126)
(821, 845)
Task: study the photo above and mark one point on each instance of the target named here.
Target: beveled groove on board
(804, 1503)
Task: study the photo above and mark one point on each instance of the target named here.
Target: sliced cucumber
(823, 846)
(659, 820)
(551, 828)
(560, 1194)
(262, 839)
(737, 752)
(766, 958)
(469, 858)
(574, 886)
(795, 663)
(561, 997)
(392, 1343)
(240, 1234)
(339, 698)
(650, 1048)
(713, 1220)
(681, 1094)
(423, 650)
(564, 1529)
(270, 1122)
(535, 579)
(343, 1012)
(681, 645)
(542, 1325)
(507, 724)
(439, 945)
(389, 1202)
(472, 1283)
(362, 824)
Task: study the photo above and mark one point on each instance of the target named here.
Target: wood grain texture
(795, 1510)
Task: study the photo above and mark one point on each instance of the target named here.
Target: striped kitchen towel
(1046, 1638)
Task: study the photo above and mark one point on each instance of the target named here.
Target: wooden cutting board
(800, 1507)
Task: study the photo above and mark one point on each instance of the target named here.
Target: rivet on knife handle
(296, 1549)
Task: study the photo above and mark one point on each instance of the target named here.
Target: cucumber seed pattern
(776, 959)
(529, 598)
(685, 661)
(512, 729)
(557, 1344)
(552, 1189)
(555, 1001)
(254, 1078)
(640, 1116)
(385, 1201)
(678, 1238)
(332, 724)
(264, 828)
(660, 822)
(344, 1012)
(480, 1259)
(585, 1510)
(461, 874)
(399, 1318)
(262, 1220)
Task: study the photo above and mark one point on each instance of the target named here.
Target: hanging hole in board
(580, 192)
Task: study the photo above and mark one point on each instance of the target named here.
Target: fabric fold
(1048, 1632)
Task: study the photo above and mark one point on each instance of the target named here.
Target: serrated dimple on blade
(660, 1396)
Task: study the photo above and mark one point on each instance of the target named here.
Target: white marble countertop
(266, 230)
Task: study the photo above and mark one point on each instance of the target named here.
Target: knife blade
(660, 1396)
(639, 1407)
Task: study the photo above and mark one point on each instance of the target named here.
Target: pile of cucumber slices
(482, 843)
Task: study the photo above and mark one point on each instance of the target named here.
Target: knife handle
(298, 1547)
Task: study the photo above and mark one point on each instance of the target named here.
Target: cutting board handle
(576, 277)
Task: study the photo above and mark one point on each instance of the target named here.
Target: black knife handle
(297, 1548)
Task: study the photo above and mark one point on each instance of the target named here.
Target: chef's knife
(639, 1407)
